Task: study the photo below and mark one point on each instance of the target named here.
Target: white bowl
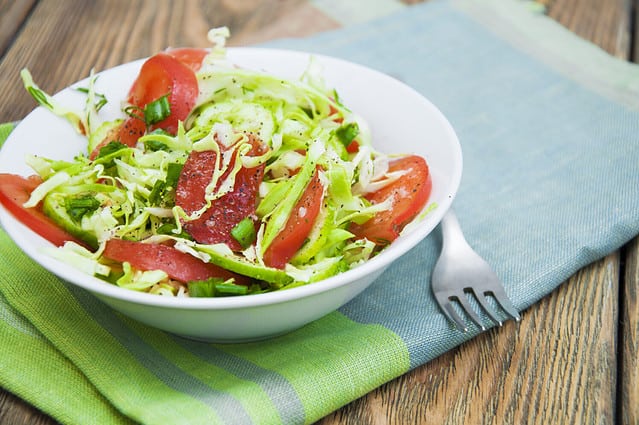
(401, 121)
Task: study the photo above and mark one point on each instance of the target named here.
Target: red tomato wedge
(195, 176)
(160, 75)
(353, 147)
(297, 227)
(128, 134)
(215, 225)
(14, 192)
(190, 56)
(177, 264)
(409, 193)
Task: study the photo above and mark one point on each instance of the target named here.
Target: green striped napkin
(549, 126)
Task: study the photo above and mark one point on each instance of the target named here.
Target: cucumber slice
(53, 206)
(222, 256)
(316, 272)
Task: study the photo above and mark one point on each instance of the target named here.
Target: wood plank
(629, 338)
(621, 38)
(605, 23)
(12, 15)
(16, 411)
(468, 380)
(634, 25)
(59, 54)
(151, 27)
(560, 358)
(578, 383)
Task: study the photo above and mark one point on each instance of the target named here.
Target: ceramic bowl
(401, 121)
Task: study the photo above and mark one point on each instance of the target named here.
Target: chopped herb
(156, 193)
(158, 110)
(80, 205)
(215, 287)
(226, 288)
(347, 132)
(173, 172)
(244, 232)
(154, 145)
(203, 288)
(111, 148)
(168, 229)
(163, 190)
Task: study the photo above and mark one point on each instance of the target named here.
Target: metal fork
(460, 273)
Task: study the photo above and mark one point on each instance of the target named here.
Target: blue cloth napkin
(549, 127)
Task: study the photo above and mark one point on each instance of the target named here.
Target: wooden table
(572, 358)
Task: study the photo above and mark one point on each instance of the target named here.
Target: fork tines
(446, 302)
(460, 274)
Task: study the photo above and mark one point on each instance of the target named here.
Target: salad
(217, 181)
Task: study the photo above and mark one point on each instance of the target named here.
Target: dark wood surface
(572, 358)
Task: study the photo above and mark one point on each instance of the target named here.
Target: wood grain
(614, 25)
(85, 37)
(12, 15)
(15, 411)
(605, 23)
(634, 26)
(629, 335)
(561, 359)
(567, 371)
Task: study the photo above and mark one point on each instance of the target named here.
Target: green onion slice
(158, 110)
(244, 232)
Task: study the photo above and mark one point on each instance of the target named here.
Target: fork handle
(453, 237)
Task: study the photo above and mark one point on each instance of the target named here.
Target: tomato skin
(353, 147)
(195, 176)
(410, 193)
(190, 56)
(297, 227)
(216, 223)
(15, 190)
(131, 130)
(332, 110)
(128, 134)
(177, 264)
(160, 75)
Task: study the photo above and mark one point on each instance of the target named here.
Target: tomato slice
(297, 227)
(177, 264)
(215, 225)
(160, 75)
(128, 134)
(353, 147)
(14, 192)
(190, 56)
(409, 193)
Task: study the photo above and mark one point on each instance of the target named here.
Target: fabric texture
(550, 184)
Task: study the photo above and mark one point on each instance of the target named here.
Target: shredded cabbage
(303, 124)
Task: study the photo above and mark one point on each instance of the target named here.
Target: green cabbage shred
(129, 192)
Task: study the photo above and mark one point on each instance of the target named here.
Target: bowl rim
(384, 259)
